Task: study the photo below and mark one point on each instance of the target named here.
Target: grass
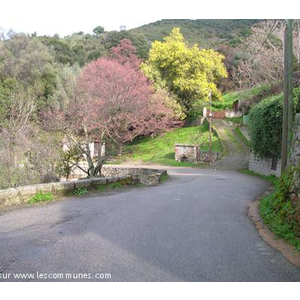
(114, 185)
(41, 197)
(164, 177)
(81, 191)
(272, 179)
(160, 150)
(277, 212)
(232, 138)
(236, 120)
(276, 223)
(242, 137)
(231, 97)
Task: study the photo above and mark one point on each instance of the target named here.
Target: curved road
(191, 228)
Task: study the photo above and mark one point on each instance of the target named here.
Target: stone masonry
(295, 163)
(186, 153)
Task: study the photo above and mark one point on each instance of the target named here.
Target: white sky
(65, 16)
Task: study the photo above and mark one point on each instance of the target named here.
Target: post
(210, 117)
(287, 117)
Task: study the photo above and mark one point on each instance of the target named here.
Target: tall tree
(190, 73)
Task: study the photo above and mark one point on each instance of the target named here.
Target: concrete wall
(263, 165)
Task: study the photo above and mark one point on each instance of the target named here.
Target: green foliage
(206, 33)
(114, 38)
(265, 121)
(258, 92)
(242, 137)
(164, 177)
(98, 30)
(160, 149)
(41, 197)
(279, 214)
(272, 179)
(81, 191)
(115, 185)
(189, 73)
(102, 187)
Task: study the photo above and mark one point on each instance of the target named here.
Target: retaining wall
(295, 163)
(20, 195)
(143, 175)
(264, 165)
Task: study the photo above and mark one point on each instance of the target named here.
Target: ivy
(265, 124)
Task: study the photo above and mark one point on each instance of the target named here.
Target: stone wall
(264, 165)
(22, 194)
(19, 195)
(295, 149)
(294, 161)
(145, 176)
(232, 113)
(193, 154)
(186, 153)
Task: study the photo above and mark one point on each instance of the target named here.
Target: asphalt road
(193, 227)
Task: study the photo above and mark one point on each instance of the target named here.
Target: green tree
(138, 40)
(189, 73)
(98, 30)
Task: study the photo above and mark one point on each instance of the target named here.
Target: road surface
(193, 227)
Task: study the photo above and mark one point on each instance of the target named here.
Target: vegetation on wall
(265, 123)
(280, 214)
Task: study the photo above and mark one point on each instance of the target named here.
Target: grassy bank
(160, 150)
(277, 211)
(246, 94)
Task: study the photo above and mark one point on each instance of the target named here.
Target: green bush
(116, 185)
(41, 197)
(265, 123)
(81, 191)
(102, 187)
(279, 214)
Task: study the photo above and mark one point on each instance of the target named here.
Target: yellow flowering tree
(187, 72)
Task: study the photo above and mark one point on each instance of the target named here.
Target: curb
(287, 250)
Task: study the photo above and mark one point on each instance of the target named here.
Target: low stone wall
(193, 154)
(22, 194)
(186, 153)
(145, 176)
(19, 195)
(232, 113)
(264, 165)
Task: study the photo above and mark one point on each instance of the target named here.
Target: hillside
(206, 33)
(160, 149)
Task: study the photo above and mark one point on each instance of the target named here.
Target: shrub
(265, 123)
(116, 185)
(81, 191)
(41, 197)
(279, 214)
(102, 187)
